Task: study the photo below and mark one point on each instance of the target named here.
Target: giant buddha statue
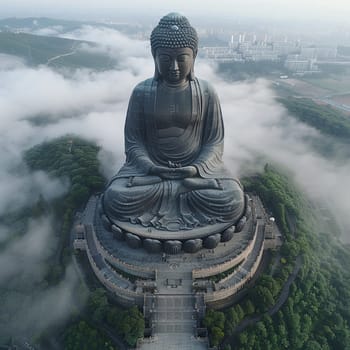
(174, 178)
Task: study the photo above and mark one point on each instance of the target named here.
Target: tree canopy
(316, 314)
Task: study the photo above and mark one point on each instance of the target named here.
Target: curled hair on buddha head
(174, 31)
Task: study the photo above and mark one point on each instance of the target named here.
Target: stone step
(174, 328)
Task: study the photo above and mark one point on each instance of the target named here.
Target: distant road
(50, 60)
(318, 94)
(334, 104)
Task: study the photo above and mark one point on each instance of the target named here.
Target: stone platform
(172, 289)
(133, 272)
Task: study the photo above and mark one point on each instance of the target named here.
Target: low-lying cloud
(28, 307)
(110, 41)
(259, 128)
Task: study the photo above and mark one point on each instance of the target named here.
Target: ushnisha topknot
(174, 31)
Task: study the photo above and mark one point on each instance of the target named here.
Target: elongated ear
(156, 74)
(156, 71)
(191, 75)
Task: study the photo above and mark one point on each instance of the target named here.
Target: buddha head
(174, 46)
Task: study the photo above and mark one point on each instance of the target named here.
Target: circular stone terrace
(131, 272)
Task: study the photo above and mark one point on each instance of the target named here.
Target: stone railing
(226, 292)
(138, 271)
(126, 296)
(219, 268)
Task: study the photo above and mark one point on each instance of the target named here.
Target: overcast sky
(324, 10)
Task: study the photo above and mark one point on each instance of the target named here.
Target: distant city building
(319, 53)
(308, 52)
(301, 65)
(250, 47)
(296, 58)
(327, 53)
(220, 54)
(285, 47)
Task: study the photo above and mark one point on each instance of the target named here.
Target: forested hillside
(76, 160)
(322, 117)
(90, 323)
(54, 51)
(316, 315)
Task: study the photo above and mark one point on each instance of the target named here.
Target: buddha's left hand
(179, 173)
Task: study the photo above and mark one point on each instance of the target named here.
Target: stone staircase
(174, 313)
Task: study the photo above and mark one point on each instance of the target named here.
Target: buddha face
(174, 64)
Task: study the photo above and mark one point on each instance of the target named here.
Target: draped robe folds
(195, 138)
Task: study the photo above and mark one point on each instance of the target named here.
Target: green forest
(93, 323)
(74, 160)
(322, 117)
(316, 314)
(37, 50)
(102, 320)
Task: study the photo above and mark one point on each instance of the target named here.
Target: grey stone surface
(227, 235)
(175, 341)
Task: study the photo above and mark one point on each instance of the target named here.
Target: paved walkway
(251, 320)
(178, 341)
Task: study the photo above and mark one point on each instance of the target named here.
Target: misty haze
(285, 98)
